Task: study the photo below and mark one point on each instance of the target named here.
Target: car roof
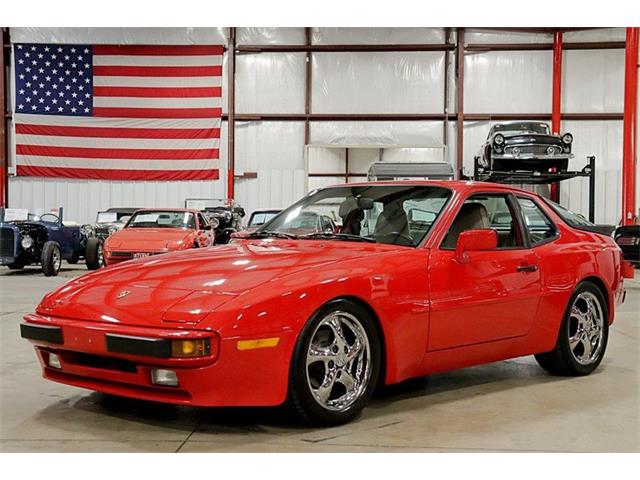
(457, 185)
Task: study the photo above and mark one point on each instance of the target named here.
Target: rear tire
(93, 254)
(51, 259)
(584, 332)
(335, 365)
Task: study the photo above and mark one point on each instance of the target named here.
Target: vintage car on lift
(416, 278)
(525, 146)
(43, 240)
(107, 223)
(154, 231)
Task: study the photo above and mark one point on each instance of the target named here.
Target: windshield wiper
(270, 233)
(338, 236)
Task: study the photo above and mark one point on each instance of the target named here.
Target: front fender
(394, 286)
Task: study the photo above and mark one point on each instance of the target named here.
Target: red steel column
(630, 145)
(556, 99)
(231, 117)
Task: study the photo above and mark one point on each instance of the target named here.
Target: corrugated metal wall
(386, 82)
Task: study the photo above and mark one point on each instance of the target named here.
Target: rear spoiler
(601, 229)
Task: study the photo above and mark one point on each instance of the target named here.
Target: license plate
(141, 254)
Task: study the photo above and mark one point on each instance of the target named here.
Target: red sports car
(411, 278)
(151, 232)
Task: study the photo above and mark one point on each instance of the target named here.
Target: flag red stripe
(99, 174)
(119, 153)
(146, 71)
(110, 132)
(157, 92)
(158, 50)
(124, 112)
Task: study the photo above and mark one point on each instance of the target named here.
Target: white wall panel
(360, 159)
(270, 83)
(593, 81)
(508, 82)
(326, 160)
(275, 150)
(270, 36)
(410, 133)
(122, 35)
(604, 140)
(382, 82)
(490, 36)
(376, 36)
(596, 35)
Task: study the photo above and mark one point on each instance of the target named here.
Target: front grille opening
(7, 242)
(98, 361)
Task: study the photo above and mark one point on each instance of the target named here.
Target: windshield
(260, 218)
(393, 214)
(524, 127)
(106, 217)
(162, 219)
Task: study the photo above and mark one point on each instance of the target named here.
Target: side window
(485, 211)
(539, 227)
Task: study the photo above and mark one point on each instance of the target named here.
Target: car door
(495, 294)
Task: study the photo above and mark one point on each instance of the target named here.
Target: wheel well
(597, 281)
(378, 325)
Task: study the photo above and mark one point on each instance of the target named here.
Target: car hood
(186, 286)
(143, 239)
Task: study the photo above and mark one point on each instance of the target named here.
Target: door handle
(527, 268)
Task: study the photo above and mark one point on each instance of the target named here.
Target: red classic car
(153, 231)
(414, 278)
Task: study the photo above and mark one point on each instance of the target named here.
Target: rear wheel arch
(602, 286)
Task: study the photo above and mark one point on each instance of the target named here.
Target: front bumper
(228, 377)
(118, 256)
(531, 156)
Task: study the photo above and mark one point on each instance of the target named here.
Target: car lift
(541, 178)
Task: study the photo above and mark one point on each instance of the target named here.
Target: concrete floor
(504, 406)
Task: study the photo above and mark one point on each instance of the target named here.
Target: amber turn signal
(196, 347)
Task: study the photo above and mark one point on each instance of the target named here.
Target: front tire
(94, 257)
(584, 332)
(51, 259)
(335, 365)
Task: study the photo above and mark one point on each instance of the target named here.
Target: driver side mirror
(475, 241)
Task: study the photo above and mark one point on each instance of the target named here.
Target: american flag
(118, 112)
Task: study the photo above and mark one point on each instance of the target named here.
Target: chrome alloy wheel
(586, 323)
(338, 364)
(56, 259)
(100, 255)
